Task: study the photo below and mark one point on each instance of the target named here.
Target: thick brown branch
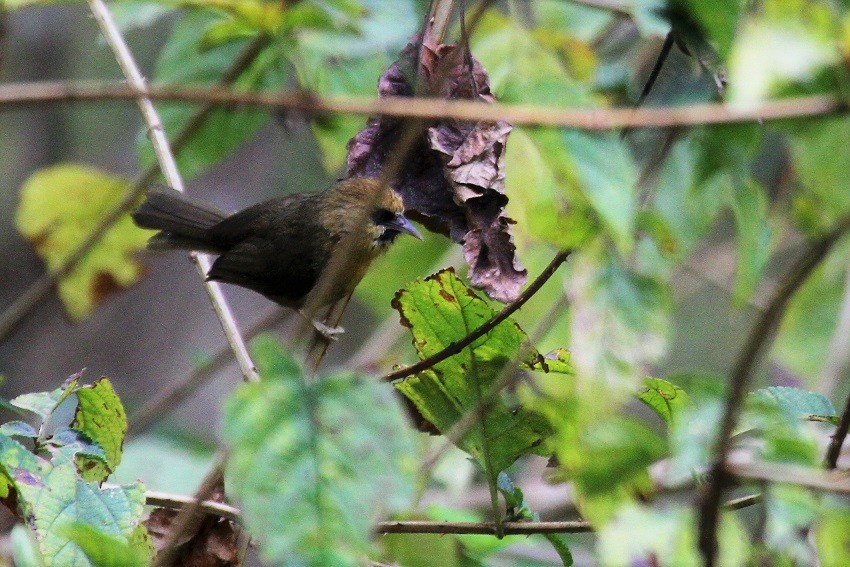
(17, 94)
(506, 312)
(747, 361)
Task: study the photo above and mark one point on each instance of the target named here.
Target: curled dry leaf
(453, 179)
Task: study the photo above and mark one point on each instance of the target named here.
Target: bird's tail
(184, 222)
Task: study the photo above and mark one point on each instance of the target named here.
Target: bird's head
(384, 217)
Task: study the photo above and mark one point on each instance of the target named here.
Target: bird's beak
(402, 224)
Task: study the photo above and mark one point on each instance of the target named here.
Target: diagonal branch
(506, 312)
(593, 119)
(168, 166)
(759, 338)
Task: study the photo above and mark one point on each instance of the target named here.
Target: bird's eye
(382, 216)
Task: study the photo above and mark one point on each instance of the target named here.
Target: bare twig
(13, 315)
(17, 94)
(179, 501)
(168, 166)
(747, 360)
(506, 312)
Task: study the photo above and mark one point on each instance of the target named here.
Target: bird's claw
(328, 332)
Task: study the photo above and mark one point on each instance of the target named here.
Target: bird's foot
(328, 332)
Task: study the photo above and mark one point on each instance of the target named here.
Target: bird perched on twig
(281, 247)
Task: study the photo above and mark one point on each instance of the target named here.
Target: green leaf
(809, 323)
(313, 464)
(754, 234)
(106, 550)
(718, 19)
(823, 179)
(608, 178)
(24, 548)
(791, 511)
(50, 496)
(185, 60)
(18, 429)
(517, 509)
(439, 311)
(667, 534)
(615, 452)
(798, 404)
(832, 535)
(101, 417)
(59, 206)
(545, 198)
(804, 32)
(44, 403)
(18, 468)
(665, 398)
(559, 543)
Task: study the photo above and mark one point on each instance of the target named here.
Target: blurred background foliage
(680, 233)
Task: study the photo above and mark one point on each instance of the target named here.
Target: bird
(280, 248)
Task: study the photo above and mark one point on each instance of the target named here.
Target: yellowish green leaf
(59, 206)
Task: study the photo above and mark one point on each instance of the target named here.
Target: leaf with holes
(441, 310)
(100, 416)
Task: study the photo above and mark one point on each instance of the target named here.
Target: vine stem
(747, 360)
(593, 119)
(168, 166)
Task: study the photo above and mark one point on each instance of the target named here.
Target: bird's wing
(282, 274)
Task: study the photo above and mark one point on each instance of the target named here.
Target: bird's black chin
(387, 238)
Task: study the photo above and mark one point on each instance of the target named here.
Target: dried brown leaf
(453, 179)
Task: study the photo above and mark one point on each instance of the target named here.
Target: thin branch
(817, 479)
(506, 312)
(749, 357)
(13, 315)
(175, 501)
(178, 501)
(17, 94)
(168, 166)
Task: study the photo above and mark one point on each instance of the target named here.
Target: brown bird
(281, 247)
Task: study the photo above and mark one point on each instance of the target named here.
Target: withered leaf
(453, 179)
